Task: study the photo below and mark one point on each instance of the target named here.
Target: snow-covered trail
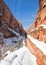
(19, 57)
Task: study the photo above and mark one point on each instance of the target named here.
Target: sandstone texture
(38, 31)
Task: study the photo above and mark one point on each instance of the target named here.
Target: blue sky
(23, 10)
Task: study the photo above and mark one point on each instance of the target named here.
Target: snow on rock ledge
(44, 26)
(41, 45)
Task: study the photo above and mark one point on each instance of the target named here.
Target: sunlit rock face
(41, 15)
(40, 23)
(37, 33)
(42, 4)
(7, 19)
(39, 26)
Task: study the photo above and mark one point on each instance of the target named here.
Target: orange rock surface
(38, 32)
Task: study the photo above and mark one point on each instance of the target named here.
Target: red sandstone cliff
(38, 31)
(41, 15)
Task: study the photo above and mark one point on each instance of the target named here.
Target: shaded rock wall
(7, 19)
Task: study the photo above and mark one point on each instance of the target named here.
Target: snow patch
(11, 41)
(19, 57)
(44, 26)
(34, 29)
(39, 44)
(13, 31)
(8, 52)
